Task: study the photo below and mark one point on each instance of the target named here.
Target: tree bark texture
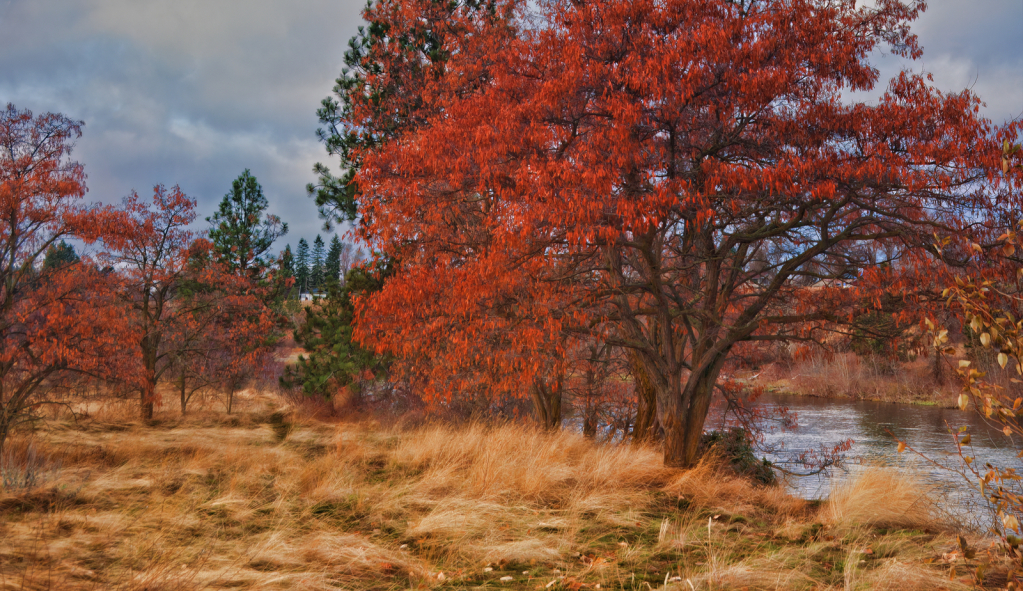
(547, 402)
(646, 395)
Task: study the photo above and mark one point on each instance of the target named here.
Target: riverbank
(940, 399)
(847, 376)
(262, 500)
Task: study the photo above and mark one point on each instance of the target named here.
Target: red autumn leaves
(189, 312)
(668, 178)
(148, 297)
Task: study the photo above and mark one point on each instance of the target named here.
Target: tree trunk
(684, 413)
(147, 401)
(696, 415)
(674, 444)
(546, 403)
(646, 407)
(230, 400)
(590, 424)
(4, 428)
(939, 377)
(184, 399)
(590, 410)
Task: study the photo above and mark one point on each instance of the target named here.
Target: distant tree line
(316, 269)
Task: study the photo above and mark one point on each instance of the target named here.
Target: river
(873, 428)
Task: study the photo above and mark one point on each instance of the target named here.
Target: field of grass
(267, 500)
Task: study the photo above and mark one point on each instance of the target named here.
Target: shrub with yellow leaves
(986, 305)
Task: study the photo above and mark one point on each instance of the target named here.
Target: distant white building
(308, 297)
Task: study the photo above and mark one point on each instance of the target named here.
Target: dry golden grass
(846, 375)
(882, 498)
(217, 502)
(708, 485)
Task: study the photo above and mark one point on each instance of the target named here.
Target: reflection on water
(867, 424)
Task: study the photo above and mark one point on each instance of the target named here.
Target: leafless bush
(23, 467)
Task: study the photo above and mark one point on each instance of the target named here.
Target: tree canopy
(58, 322)
(240, 233)
(334, 360)
(302, 265)
(60, 255)
(670, 178)
(185, 310)
(316, 264)
(332, 266)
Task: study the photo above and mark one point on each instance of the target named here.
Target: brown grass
(881, 497)
(216, 502)
(708, 485)
(846, 375)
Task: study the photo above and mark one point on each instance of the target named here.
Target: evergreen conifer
(302, 266)
(332, 266)
(316, 265)
(240, 233)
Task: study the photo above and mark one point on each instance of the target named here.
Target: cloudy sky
(191, 92)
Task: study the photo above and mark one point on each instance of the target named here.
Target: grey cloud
(970, 45)
(194, 91)
(187, 92)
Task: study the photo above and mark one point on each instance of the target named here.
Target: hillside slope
(257, 501)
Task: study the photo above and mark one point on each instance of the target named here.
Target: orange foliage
(161, 301)
(669, 177)
(183, 309)
(53, 322)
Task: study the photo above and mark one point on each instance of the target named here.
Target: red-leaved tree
(53, 321)
(672, 178)
(181, 302)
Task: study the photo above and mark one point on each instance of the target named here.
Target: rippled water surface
(871, 427)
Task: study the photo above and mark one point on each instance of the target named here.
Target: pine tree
(239, 237)
(302, 266)
(335, 359)
(288, 262)
(288, 269)
(316, 269)
(332, 267)
(61, 255)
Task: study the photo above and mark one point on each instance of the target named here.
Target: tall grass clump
(23, 467)
(520, 463)
(881, 498)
